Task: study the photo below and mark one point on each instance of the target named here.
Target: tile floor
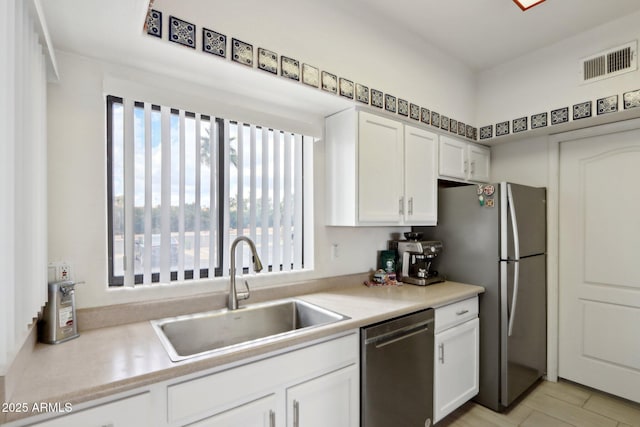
(561, 404)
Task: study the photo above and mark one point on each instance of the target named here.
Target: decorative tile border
(154, 23)
(182, 32)
(582, 110)
(607, 105)
(538, 120)
(519, 125)
(267, 60)
(329, 82)
(561, 115)
(502, 128)
(346, 88)
(215, 43)
(390, 103)
(310, 75)
(631, 99)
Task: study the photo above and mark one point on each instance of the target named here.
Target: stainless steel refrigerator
(494, 235)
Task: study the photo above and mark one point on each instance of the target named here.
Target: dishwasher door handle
(399, 334)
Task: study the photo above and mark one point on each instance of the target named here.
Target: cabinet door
(130, 412)
(479, 161)
(420, 176)
(453, 158)
(330, 400)
(258, 413)
(380, 163)
(456, 368)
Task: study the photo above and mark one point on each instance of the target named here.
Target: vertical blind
(184, 185)
(23, 176)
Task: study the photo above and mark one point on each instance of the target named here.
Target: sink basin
(228, 330)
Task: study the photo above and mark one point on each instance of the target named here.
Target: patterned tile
(425, 115)
(502, 128)
(362, 93)
(519, 125)
(582, 110)
(469, 131)
(453, 126)
(631, 99)
(329, 82)
(435, 119)
(310, 75)
(242, 52)
(444, 122)
(154, 23)
(214, 42)
(486, 132)
(538, 120)
(475, 134)
(403, 107)
(267, 60)
(414, 111)
(462, 129)
(608, 104)
(377, 98)
(182, 32)
(290, 68)
(390, 103)
(346, 88)
(561, 115)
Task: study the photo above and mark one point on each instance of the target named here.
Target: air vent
(610, 63)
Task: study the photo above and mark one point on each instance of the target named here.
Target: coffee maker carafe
(416, 260)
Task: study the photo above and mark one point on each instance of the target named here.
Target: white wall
(77, 182)
(523, 162)
(547, 79)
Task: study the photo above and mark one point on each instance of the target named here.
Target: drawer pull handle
(441, 353)
(461, 312)
(272, 418)
(296, 413)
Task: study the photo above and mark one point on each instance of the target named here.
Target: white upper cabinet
(420, 176)
(380, 162)
(379, 171)
(463, 160)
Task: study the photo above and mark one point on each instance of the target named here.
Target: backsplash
(243, 52)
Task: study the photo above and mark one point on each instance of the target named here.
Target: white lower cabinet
(313, 385)
(128, 412)
(329, 400)
(258, 413)
(456, 358)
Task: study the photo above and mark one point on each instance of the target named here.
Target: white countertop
(109, 360)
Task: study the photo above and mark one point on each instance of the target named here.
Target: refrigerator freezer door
(524, 352)
(530, 208)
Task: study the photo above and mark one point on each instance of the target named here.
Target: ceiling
(480, 33)
(485, 33)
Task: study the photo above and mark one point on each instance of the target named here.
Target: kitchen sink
(223, 331)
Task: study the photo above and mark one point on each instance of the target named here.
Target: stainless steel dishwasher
(397, 372)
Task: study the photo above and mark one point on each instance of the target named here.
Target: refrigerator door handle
(516, 247)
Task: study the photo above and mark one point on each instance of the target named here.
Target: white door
(453, 158)
(479, 161)
(380, 164)
(456, 371)
(330, 400)
(420, 176)
(599, 259)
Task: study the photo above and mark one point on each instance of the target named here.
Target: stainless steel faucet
(257, 266)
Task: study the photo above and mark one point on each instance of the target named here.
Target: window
(182, 186)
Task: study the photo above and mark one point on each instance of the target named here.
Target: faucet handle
(247, 294)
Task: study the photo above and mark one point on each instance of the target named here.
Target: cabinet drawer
(229, 388)
(456, 313)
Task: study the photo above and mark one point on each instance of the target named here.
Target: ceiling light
(527, 4)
